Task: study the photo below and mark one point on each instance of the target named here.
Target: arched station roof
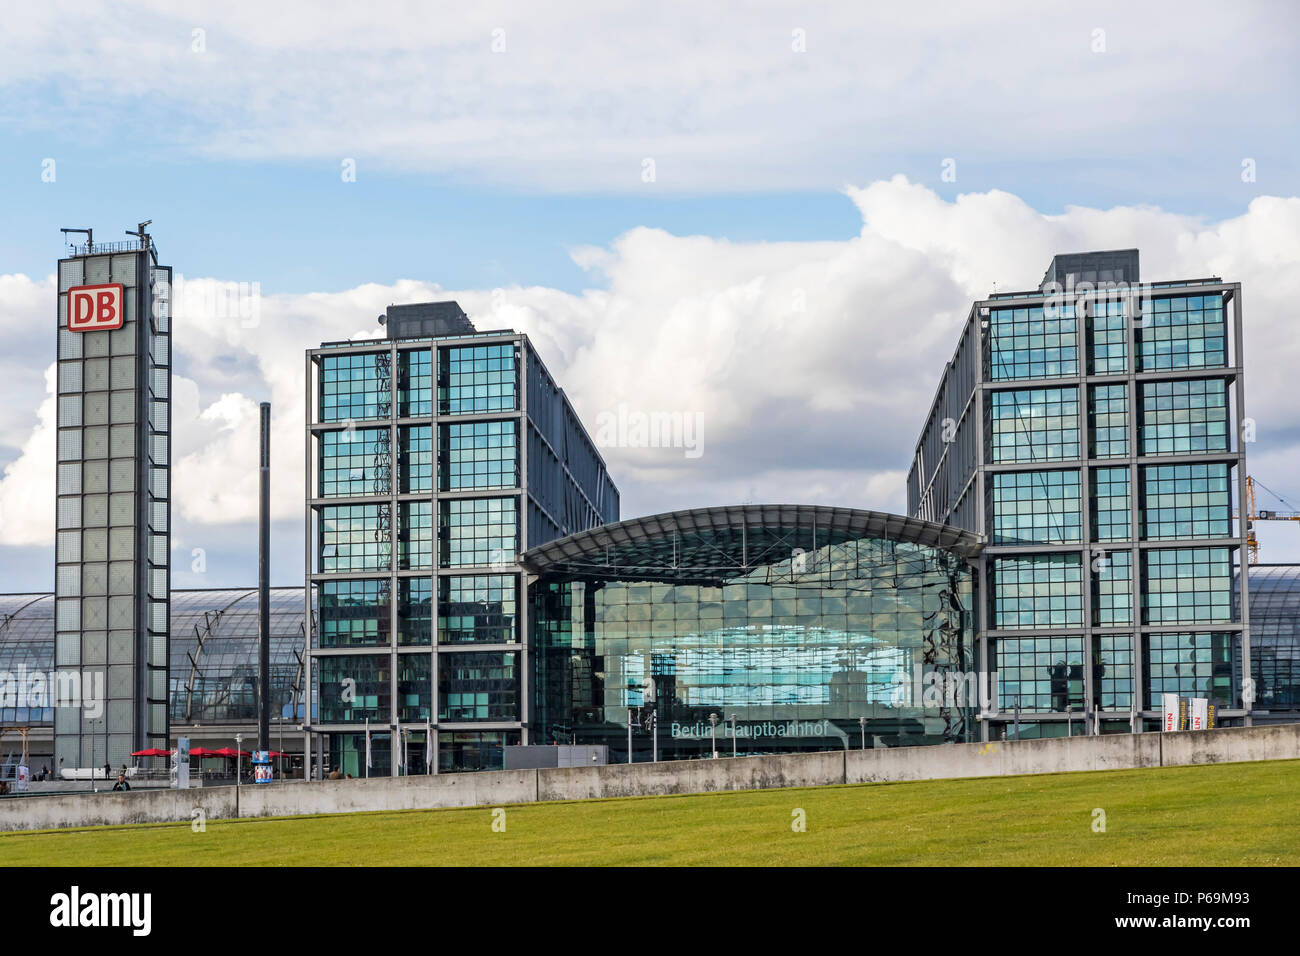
(733, 538)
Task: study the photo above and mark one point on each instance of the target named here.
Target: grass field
(1224, 815)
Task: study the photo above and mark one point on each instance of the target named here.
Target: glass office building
(435, 457)
(775, 629)
(1090, 431)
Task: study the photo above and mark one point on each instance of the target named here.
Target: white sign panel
(92, 308)
(182, 763)
(1170, 702)
(1200, 713)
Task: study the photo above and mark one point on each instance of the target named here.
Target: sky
(771, 218)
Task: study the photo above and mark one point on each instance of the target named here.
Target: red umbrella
(229, 752)
(204, 752)
(276, 753)
(152, 752)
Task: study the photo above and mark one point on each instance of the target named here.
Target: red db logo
(95, 307)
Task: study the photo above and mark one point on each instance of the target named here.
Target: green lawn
(1224, 815)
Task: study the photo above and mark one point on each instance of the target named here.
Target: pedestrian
(121, 783)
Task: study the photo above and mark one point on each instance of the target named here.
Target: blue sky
(501, 155)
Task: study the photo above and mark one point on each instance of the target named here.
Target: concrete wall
(691, 776)
(388, 793)
(1003, 758)
(112, 809)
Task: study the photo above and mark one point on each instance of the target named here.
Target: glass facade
(1037, 590)
(478, 455)
(355, 387)
(1109, 522)
(1191, 665)
(1274, 637)
(1107, 338)
(355, 538)
(354, 612)
(1187, 585)
(479, 532)
(1184, 416)
(416, 447)
(1040, 673)
(355, 688)
(1039, 507)
(478, 609)
(415, 545)
(1113, 672)
(1183, 332)
(1186, 501)
(482, 685)
(1108, 421)
(474, 750)
(479, 378)
(415, 610)
(355, 462)
(1026, 343)
(800, 633)
(1039, 424)
(1112, 589)
(1110, 504)
(415, 383)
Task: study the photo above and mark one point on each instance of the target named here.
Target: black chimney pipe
(264, 586)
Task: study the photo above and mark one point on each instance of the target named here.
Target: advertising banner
(1200, 713)
(262, 766)
(182, 763)
(1170, 702)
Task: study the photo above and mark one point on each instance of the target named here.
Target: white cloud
(27, 485)
(28, 330)
(716, 94)
(811, 365)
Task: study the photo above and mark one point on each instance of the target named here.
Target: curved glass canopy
(772, 628)
(213, 654)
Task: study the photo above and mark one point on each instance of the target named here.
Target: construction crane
(1252, 515)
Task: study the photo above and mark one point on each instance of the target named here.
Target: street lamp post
(733, 734)
(862, 722)
(239, 740)
(713, 721)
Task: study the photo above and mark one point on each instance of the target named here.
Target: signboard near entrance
(182, 763)
(262, 766)
(92, 308)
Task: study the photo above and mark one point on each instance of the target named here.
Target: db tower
(113, 506)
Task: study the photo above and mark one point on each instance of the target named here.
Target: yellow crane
(1253, 515)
